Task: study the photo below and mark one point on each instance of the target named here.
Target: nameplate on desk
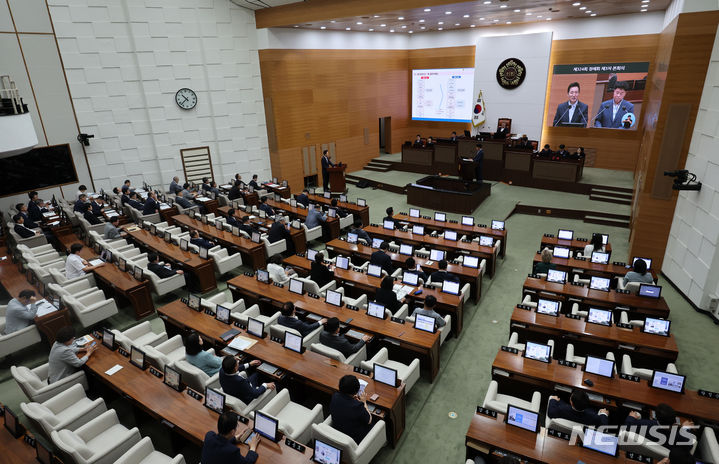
(29, 440)
(639, 457)
(481, 225)
(194, 394)
(708, 394)
(582, 239)
(155, 372)
(524, 307)
(209, 312)
(565, 363)
(277, 284)
(352, 307)
(250, 274)
(359, 370)
(426, 217)
(294, 445)
(533, 276)
(398, 320)
(185, 300)
(467, 240)
(580, 258)
(549, 235)
(240, 325)
(574, 316)
(486, 412)
(123, 352)
(509, 349)
(374, 225)
(577, 284)
(451, 221)
(633, 378)
(243, 419)
(167, 424)
(313, 295)
(619, 263)
(558, 434)
(623, 292)
(277, 339)
(623, 325)
(97, 334)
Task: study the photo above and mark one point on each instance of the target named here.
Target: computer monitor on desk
(414, 212)
(559, 277)
(565, 234)
(436, 255)
(560, 252)
(538, 352)
(599, 316)
(599, 283)
(548, 307)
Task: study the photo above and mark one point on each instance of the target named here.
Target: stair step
(611, 188)
(608, 199)
(602, 191)
(607, 221)
(381, 161)
(375, 169)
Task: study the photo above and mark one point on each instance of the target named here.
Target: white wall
(691, 260)
(688, 6)
(525, 104)
(34, 64)
(125, 59)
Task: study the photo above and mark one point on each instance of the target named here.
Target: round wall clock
(186, 98)
(511, 73)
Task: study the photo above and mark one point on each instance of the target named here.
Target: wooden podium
(466, 169)
(337, 178)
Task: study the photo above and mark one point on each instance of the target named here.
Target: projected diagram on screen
(442, 94)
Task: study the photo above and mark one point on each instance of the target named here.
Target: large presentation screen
(601, 95)
(442, 94)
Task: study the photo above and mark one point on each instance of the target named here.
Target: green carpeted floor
(430, 434)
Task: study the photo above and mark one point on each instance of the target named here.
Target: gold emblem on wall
(511, 73)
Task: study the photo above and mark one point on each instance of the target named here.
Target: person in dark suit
(326, 163)
(382, 259)
(441, 275)
(126, 186)
(410, 265)
(502, 131)
(245, 225)
(96, 207)
(246, 389)
(386, 296)
(562, 153)
(417, 142)
(175, 186)
(341, 212)
(278, 232)
(240, 183)
(572, 111)
(34, 207)
(361, 233)
(288, 319)
(253, 182)
(151, 205)
(265, 207)
(221, 447)
(349, 411)
(182, 201)
(163, 272)
(195, 239)
(205, 186)
(613, 113)
(546, 151)
(665, 425)
(430, 142)
(232, 219)
(390, 212)
(331, 337)
(89, 217)
(81, 200)
(577, 410)
(524, 142)
(235, 192)
(22, 210)
(453, 138)
(134, 202)
(478, 159)
(20, 228)
(320, 273)
(303, 198)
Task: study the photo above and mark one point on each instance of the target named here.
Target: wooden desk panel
(641, 305)
(417, 341)
(419, 156)
(333, 224)
(202, 269)
(318, 371)
(364, 252)
(574, 245)
(564, 171)
(298, 235)
(613, 337)
(688, 404)
(277, 188)
(605, 270)
(358, 211)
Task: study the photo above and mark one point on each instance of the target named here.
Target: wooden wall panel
(615, 149)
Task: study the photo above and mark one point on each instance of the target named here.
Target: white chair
(166, 353)
(58, 275)
(223, 261)
(246, 409)
(498, 402)
(624, 319)
(575, 310)
(101, 441)
(42, 272)
(312, 286)
(276, 248)
(514, 343)
(632, 287)
(294, 419)
(278, 330)
(581, 281)
(168, 284)
(355, 358)
(360, 302)
(355, 453)
(37, 250)
(409, 374)
(49, 258)
(443, 331)
(634, 442)
(629, 369)
(254, 313)
(139, 336)
(144, 453)
(223, 298)
(195, 377)
(76, 289)
(91, 308)
(17, 340)
(346, 222)
(314, 233)
(709, 448)
(571, 357)
(33, 382)
(69, 409)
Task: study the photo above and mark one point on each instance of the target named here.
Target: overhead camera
(85, 139)
(684, 180)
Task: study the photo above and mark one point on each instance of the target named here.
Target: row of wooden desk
(357, 211)
(610, 270)
(574, 245)
(331, 225)
(317, 371)
(424, 344)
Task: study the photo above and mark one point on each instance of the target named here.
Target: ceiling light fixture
(465, 16)
(401, 18)
(323, 27)
(588, 11)
(333, 21)
(473, 25)
(371, 30)
(549, 19)
(376, 16)
(447, 12)
(359, 23)
(404, 27)
(348, 28)
(528, 14)
(503, 6)
(517, 10)
(441, 22)
(487, 2)
(643, 10)
(411, 32)
(576, 4)
(456, 24)
(593, 14)
(422, 27)
(421, 20)
(383, 25)
(391, 30)
(427, 10)
(583, 8)
(509, 22)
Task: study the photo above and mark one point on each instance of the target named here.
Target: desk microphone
(595, 117)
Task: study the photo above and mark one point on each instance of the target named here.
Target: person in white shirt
(279, 274)
(75, 266)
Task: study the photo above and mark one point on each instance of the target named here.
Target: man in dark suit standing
(331, 337)
(382, 259)
(612, 113)
(572, 111)
(151, 206)
(221, 447)
(232, 383)
(326, 163)
(348, 409)
(478, 158)
(288, 319)
(577, 410)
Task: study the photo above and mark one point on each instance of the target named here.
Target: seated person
(341, 212)
(245, 225)
(639, 273)
(664, 425)
(133, 201)
(502, 131)
(151, 205)
(524, 142)
(595, 244)
(278, 273)
(195, 239)
(75, 266)
(89, 217)
(319, 272)
(315, 218)
(205, 184)
(34, 207)
(361, 233)
(203, 360)
(235, 192)
(417, 141)
(303, 198)
(453, 137)
(349, 411)
(577, 410)
(232, 218)
(213, 188)
(20, 312)
(278, 231)
(382, 259)
(386, 295)
(390, 213)
(410, 265)
(546, 151)
(562, 153)
(265, 207)
(430, 142)
(288, 319)
(158, 269)
(579, 153)
(546, 264)
(96, 207)
(331, 337)
(22, 210)
(239, 181)
(221, 447)
(182, 201)
(428, 310)
(441, 275)
(63, 360)
(175, 186)
(126, 186)
(81, 190)
(245, 389)
(187, 193)
(253, 182)
(79, 203)
(20, 229)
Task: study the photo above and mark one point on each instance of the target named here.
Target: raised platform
(447, 194)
